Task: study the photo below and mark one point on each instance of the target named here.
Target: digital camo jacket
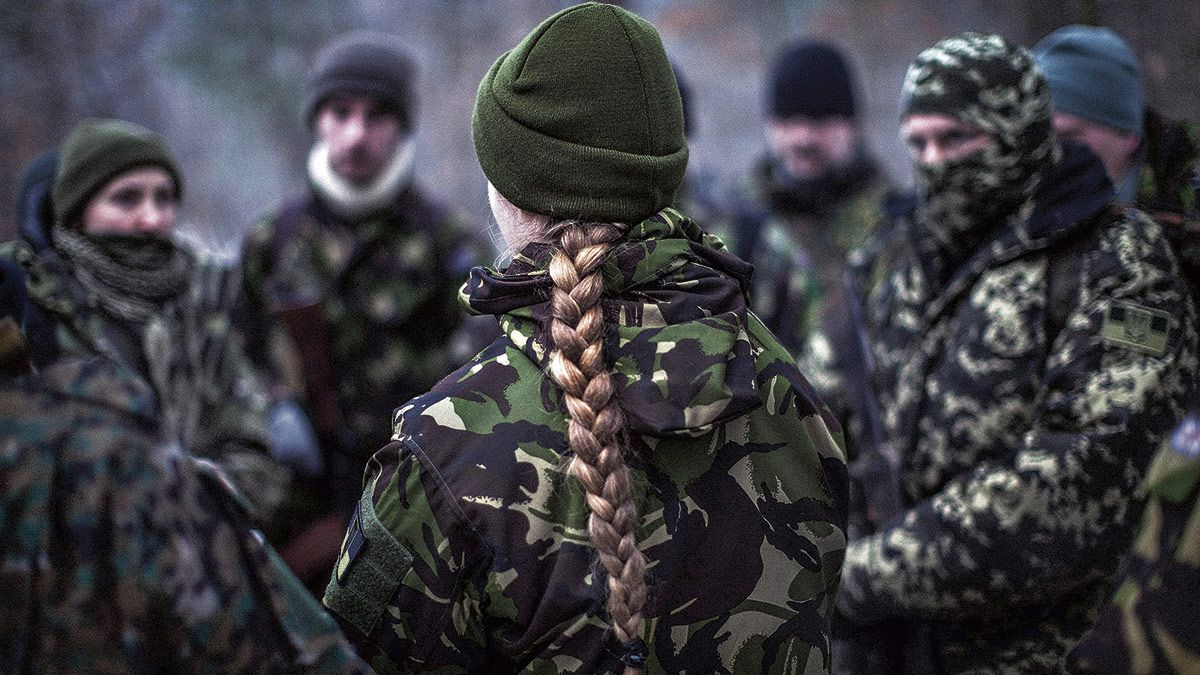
(1024, 395)
(468, 551)
(1150, 625)
(205, 394)
(121, 554)
(354, 318)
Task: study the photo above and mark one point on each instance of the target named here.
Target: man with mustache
(350, 289)
(812, 198)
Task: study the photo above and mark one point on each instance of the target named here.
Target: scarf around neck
(354, 202)
(132, 275)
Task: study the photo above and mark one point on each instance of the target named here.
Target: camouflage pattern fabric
(1024, 396)
(384, 291)
(121, 554)
(1150, 624)
(468, 550)
(982, 80)
(799, 251)
(207, 397)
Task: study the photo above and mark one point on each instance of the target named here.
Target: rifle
(875, 472)
(892, 646)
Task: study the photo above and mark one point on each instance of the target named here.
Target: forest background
(223, 81)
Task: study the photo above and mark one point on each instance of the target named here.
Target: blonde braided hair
(577, 366)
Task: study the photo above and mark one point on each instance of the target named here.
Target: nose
(803, 134)
(932, 153)
(155, 218)
(354, 129)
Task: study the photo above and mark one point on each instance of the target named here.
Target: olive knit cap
(99, 150)
(582, 119)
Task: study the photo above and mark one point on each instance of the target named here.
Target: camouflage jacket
(120, 554)
(206, 396)
(1150, 626)
(376, 302)
(799, 253)
(469, 553)
(1023, 394)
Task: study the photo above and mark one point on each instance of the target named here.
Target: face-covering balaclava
(982, 80)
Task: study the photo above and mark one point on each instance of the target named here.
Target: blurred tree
(65, 60)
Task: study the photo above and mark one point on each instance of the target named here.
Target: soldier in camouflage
(1095, 83)
(104, 278)
(351, 289)
(814, 197)
(121, 554)
(1150, 624)
(571, 499)
(1032, 343)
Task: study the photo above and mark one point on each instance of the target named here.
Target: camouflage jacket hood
(677, 299)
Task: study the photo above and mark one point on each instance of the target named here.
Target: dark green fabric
(582, 119)
(96, 152)
(360, 588)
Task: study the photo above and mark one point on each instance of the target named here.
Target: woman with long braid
(635, 477)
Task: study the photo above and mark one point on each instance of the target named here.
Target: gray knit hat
(582, 119)
(1093, 74)
(368, 63)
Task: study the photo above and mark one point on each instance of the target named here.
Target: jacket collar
(675, 310)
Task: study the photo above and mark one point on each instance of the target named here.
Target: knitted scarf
(132, 275)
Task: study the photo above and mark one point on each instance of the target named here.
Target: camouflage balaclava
(984, 81)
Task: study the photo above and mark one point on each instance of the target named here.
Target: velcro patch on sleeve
(369, 570)
(1136, 327)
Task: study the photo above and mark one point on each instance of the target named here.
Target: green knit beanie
(97, 151)
(582, 119)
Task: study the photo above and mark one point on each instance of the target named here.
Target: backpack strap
(1064, 260)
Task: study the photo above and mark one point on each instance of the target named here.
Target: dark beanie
(582, 119)
(367, 63)
(1093, 74)
(99, 150)
(810, 79)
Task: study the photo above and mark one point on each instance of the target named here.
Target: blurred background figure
(1150, 623)
(813, 197)
(98, 273)
(1096, 85)
(222, 80)
(350, 288)
(123, 554)
(1022, 368)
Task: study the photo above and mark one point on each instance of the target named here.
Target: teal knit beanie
(97, 151)
(1094, 75)
(582, 119)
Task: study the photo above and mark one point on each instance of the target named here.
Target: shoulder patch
(369, 570)
(1136, 327)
